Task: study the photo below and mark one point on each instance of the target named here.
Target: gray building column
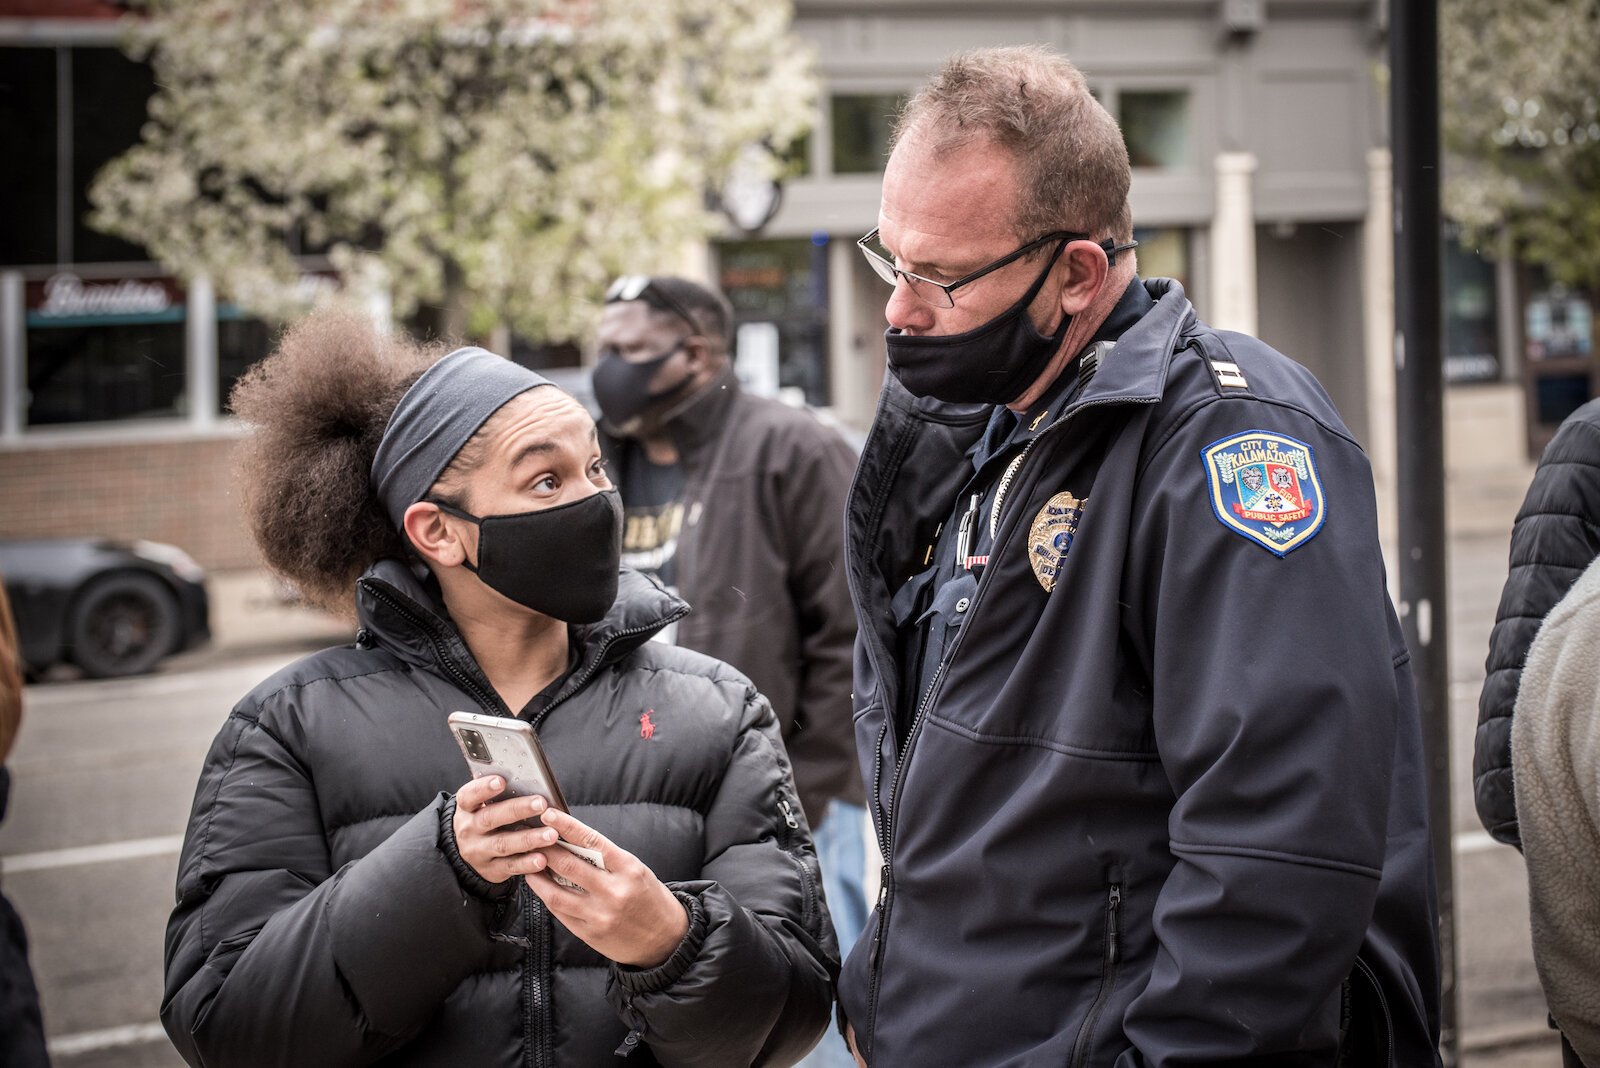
(1233, 245)
(13, 343)
(1377, 316)
(1508, 308)
(200, 331)
(843, 377)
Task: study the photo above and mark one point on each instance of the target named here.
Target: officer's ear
(1086, 268)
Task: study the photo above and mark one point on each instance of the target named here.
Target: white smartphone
(496, 745)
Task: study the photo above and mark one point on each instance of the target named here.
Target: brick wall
(180, 492)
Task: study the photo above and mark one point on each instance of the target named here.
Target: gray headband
(437, 416)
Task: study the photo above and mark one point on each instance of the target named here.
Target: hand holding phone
(622, 910)
(508, 751)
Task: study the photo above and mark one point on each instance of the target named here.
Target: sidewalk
(1502, 1018)
(251, 615)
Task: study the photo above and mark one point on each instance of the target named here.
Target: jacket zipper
(808, 909)
(1108, 975)
(886, 884)
(599, 657)
(536, 1001)
(487, 699)
(886, 889)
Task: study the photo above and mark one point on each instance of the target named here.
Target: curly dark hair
(316, 408)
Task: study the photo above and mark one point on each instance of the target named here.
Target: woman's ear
(431, 533)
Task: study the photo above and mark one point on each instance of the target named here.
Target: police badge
(1051, 536)
(1264, 487)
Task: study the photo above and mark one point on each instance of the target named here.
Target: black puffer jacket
(321, 922)
(1555, 537)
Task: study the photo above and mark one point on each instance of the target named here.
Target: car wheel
(123, 625)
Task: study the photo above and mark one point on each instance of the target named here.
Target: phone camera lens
(474, 743)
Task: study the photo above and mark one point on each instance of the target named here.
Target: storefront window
(1558, 331)
(1559, 325)
(110, 92)
(784, 283)
(861, 128)
(241, 341)
(1557, 396)
(28, 125)
(1156, 127)
(93, 374)
(1470, 325)
(106, 94)
(104, 351)
(1163, 253)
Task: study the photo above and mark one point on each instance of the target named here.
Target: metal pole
(1419, 381)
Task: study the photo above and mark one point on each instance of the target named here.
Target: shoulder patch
(1265, 488)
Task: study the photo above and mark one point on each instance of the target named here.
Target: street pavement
(105, 772)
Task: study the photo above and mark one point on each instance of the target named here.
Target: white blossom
(1521, 94)
(501, 158)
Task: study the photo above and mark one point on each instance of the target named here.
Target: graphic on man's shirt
(650, 538)
(1264, 487)
(1051, 536)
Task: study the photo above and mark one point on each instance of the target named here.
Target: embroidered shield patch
(1264, 487)
(1051, 536)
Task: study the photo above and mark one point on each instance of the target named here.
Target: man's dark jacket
(1172, 812)
(322, 919)
(761, 560)
(1555, 537)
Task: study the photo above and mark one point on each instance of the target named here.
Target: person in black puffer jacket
(1555, 537)
(342, 898)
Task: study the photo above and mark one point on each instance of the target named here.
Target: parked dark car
(112, 608)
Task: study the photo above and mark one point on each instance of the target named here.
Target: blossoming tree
(485, 160)
(1522, 120)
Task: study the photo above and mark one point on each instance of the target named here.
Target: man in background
(737, 502)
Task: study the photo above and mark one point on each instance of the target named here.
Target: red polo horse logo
(647, 729)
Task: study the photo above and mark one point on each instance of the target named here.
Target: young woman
(343, 897)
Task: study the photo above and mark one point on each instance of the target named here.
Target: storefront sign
(67, 294)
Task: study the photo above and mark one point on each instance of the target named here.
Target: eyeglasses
(942, 294)
(631, 287)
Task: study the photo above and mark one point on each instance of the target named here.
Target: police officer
(1132, 702)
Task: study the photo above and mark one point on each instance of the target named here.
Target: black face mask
(623, 388)
(990, 364)
(560, 562)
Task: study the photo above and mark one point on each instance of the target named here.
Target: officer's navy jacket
(1164, 802)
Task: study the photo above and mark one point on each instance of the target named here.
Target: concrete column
(1508, 308)
(1378, 339)
(844, 372)
(13, 355)
(1233, 245)
(201, 348)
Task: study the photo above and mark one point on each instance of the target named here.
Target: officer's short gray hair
(1033, 102)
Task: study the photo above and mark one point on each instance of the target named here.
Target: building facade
(1261, 181)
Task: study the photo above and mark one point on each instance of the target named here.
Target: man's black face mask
(993, 363)
(622, 389)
